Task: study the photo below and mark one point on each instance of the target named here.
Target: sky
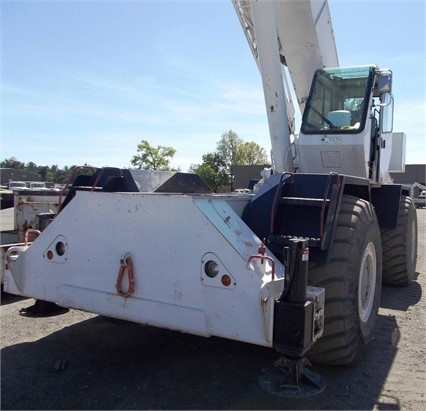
(83, 82)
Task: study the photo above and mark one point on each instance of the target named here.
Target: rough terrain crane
(236, 266)
(362, 229)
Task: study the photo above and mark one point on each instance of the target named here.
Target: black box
(293, 327)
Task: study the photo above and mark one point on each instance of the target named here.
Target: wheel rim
(367, 282)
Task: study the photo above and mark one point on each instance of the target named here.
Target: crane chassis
(297, 265)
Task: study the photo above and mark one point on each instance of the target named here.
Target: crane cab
(347, 123)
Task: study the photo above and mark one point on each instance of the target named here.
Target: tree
(12, 162)
(47, 173)
(153, 158)
(254, 154)
(213, 171)
(235, 151)
(231, 150)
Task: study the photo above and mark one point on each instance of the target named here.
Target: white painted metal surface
(305, 36)
(326, 153)
(170, 238)
(273, 87)
(307, 39)
(4, 264)
(28, 205)
(298, 34)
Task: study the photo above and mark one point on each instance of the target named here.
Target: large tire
(352, 282)
(400, 246)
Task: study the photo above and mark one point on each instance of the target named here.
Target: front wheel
(352, 282)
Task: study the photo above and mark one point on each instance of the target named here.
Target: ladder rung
(315, 202)
(285, 240)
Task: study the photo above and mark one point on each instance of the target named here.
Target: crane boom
(307, 40)
(305, 37)
(294, 34)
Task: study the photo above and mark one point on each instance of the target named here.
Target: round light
(50, 254)
(226, 280)
(211, 269)
(60, 248)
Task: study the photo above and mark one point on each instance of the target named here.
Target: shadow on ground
(103, 363)
(7, 298)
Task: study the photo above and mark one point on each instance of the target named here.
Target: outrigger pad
(43, 309)
(292, 380)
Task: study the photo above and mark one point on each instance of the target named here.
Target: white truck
(236, 266)
(18, 185)
(38, 186)
(420, 198)
(420, 201)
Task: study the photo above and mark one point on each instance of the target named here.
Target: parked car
(420, 201)
(18, 185)
(38, 185)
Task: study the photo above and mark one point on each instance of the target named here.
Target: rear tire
(400, 246)
(352, 282)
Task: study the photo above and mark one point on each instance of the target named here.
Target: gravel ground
(79, 360)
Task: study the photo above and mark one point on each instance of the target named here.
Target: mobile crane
(356, 219)
(298, 265)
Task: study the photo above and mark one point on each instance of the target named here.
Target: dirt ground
(83, 361)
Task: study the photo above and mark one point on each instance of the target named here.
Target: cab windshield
(336, 101)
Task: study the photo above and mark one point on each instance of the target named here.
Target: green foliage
(153, 158)
(47, 173)
(12, 162)
(213, 171)
(231, 150)
(254, 154)
(235, 151)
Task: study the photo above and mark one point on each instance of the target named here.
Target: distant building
(8, 174)
(414, 173)
(244, 176)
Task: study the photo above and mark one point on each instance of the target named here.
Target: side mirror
(386, 103)
(383, 83)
